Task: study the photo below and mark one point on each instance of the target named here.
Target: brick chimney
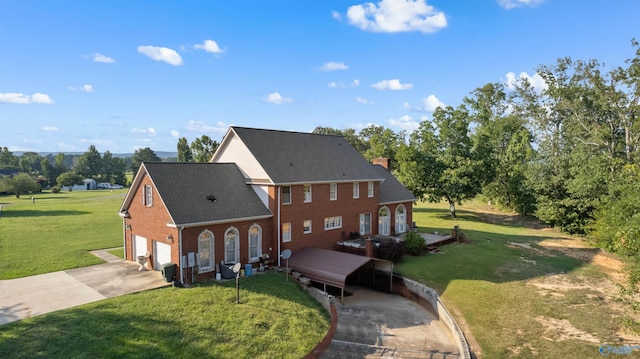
(384, 162)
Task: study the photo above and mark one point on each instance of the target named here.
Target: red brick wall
(149, 222)
(322, 207)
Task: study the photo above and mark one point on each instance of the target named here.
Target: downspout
(124, 238)
(180, 252)
(279, 224)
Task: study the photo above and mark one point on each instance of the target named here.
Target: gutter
(180, 252)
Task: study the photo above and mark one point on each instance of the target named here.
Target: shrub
(390, 250)
(414, 243)
(55, 189)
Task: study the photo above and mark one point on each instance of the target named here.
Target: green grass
(117, 252)
(275, 319)
(57, 231)
(485, 280)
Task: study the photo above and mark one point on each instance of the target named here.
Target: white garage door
(141, 247)
(162, 254)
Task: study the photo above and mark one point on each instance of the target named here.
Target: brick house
(264, 191)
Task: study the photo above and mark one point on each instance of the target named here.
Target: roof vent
(211, 198)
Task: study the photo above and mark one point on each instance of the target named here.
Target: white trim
(222, 221)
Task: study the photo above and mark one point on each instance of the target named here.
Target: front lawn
(275, 319)
(57, 231)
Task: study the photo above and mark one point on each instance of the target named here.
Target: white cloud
(536, 81)
(210, 46)
(406, 105)
(86, 88)
(512, 4)
(333, 66)
(431, 103)
(336, 15)
(391, 85)
(199, 126)
(334, 84)
(20, 98)
(363, 100)
(397, 16)
(355, 83)
(175, 134)
(277, 99)
(149, 131)
(49, 128)
(158, 53)
(102, 58)
(405, 122)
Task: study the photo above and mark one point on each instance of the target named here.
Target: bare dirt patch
(562, 329)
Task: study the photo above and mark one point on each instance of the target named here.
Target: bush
(414, 243)
(390, 250)
(55, 189)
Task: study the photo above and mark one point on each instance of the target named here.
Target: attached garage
(333, 268)
(161, 254)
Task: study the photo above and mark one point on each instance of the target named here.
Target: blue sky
(123, 75)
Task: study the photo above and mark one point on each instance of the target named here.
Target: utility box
(168, 271)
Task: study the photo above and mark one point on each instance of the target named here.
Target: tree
(617, 226)
(143, 155)
(119, 168)
(349, 134)
(69, 179)
(19, 184)
(30, 163)
(440, 162)
(89, 164)
(203, 148)
(8, 160)
(184, 152)
(47, 171)
(380, 142)
(504, 141)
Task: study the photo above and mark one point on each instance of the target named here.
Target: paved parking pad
(30, 296)
(372, 324)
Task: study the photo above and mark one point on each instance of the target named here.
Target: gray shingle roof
(391, 190)
(298, 157)
(184, 188)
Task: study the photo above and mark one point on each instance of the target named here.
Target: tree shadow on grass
(42, 213)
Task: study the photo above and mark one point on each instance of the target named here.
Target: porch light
(170, 238)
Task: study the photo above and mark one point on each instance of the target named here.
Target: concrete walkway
(30, 296)
(372, 324)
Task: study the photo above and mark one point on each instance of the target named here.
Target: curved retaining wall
(430, 296)
(326, 302)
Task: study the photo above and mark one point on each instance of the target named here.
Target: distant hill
(161, 154)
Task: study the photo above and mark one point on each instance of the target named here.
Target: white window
(286, 232)
(332, 222)
(307, 193)
(384, 222)
(147, 195)
(255, 243)
(365, 223)
(401, 219)
(307, 226)
(205, 251)
(333, 191)
(286, 194)
(370, 189)
(356, 190)
(231, 246)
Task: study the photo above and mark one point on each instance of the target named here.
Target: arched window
(205, 252)
(401, 219)
(255, 243)
(231, 245)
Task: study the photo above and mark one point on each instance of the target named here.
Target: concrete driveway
(30, 296)
(372, 324)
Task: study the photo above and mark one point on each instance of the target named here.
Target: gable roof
(186, 190)
(298, 157)
(391, 190)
